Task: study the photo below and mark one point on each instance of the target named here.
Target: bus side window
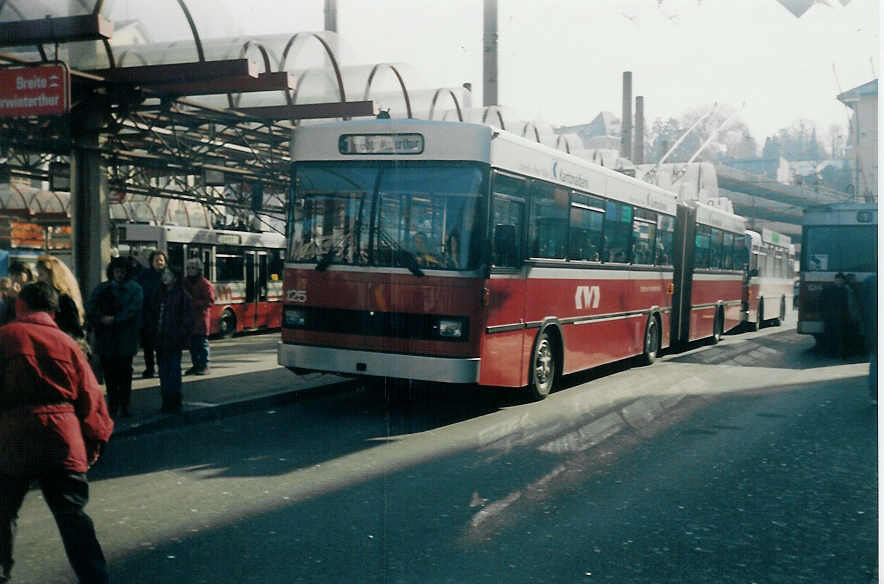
(665, 234)
(727, 252)
(508, 209)
(715, 260)
(506, 239)
(549, 220)
(618, 232)
(702, 240)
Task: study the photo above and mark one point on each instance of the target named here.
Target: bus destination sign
(381, 144)
(34, 91)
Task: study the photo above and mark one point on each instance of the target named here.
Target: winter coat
(170, 318)
(150, 281)
(52, 411)
(202, 294)
(124, 302)
(68, 317)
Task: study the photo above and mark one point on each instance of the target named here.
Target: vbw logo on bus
(299, 296)
(587, 297)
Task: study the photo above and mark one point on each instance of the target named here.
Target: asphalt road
(750, 461)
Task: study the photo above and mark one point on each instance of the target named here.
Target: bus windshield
(383, 213)
(840, 248)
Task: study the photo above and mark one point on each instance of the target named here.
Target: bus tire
(227, 324)
(652, 342)
(544, 368)
(717, 327)
(755, 326)
(782, 316)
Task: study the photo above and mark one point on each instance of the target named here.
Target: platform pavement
(244, 376)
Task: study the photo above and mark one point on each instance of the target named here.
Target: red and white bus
(456, 252)
(771, 277)
(244, 267)
(835, 238)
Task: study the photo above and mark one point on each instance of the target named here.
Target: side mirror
(505, 248)
(753, 272)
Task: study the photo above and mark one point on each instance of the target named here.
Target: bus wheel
(227, 325)
(543, 368)
(652, 342)
(782, 316)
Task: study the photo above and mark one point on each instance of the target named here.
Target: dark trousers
(199, 351)
(151, 352)
(118, 380)
(170, 379)
(66, 493)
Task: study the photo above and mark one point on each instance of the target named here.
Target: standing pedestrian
(170, 318)
(835, 306)
(114, 310)
(149, 280)
(71, 315)
(53, 426)
(202, 295)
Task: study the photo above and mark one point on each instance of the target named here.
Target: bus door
(250, 306)
(503, 349)
(256, 313)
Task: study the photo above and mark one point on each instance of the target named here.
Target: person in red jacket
(53, 426)
(202, 295)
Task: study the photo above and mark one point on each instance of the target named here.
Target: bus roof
(842, 214)
(437, 140)
(179, 234)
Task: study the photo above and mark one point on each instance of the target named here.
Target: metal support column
(90, 221)
(489, 55)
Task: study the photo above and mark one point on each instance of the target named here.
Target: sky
(561, 61)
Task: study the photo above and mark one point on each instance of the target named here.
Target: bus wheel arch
(782, 315)
(545, 366)
(652, 339)
(227, 324)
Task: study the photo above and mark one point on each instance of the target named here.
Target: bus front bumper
(352, 362)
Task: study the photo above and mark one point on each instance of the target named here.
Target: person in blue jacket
(114, 311)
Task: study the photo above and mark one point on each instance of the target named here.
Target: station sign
(35, 91)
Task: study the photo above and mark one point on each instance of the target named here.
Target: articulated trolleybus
(456, 252)
(244, 267)
(841, 237)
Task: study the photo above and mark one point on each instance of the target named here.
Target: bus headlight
(294, 317)
(451, 328)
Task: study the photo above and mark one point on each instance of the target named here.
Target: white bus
(244, 267)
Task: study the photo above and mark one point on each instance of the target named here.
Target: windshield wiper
(326, 260)
(407, 259)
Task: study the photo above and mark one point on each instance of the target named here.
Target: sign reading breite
(34, 91)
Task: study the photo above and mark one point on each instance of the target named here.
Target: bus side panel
(593, 344)
(706, 291)
(505, 354)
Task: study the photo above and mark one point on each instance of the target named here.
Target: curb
(209, 413)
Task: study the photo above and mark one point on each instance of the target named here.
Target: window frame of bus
(519, 196)
(647, 217)
(581, 204)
